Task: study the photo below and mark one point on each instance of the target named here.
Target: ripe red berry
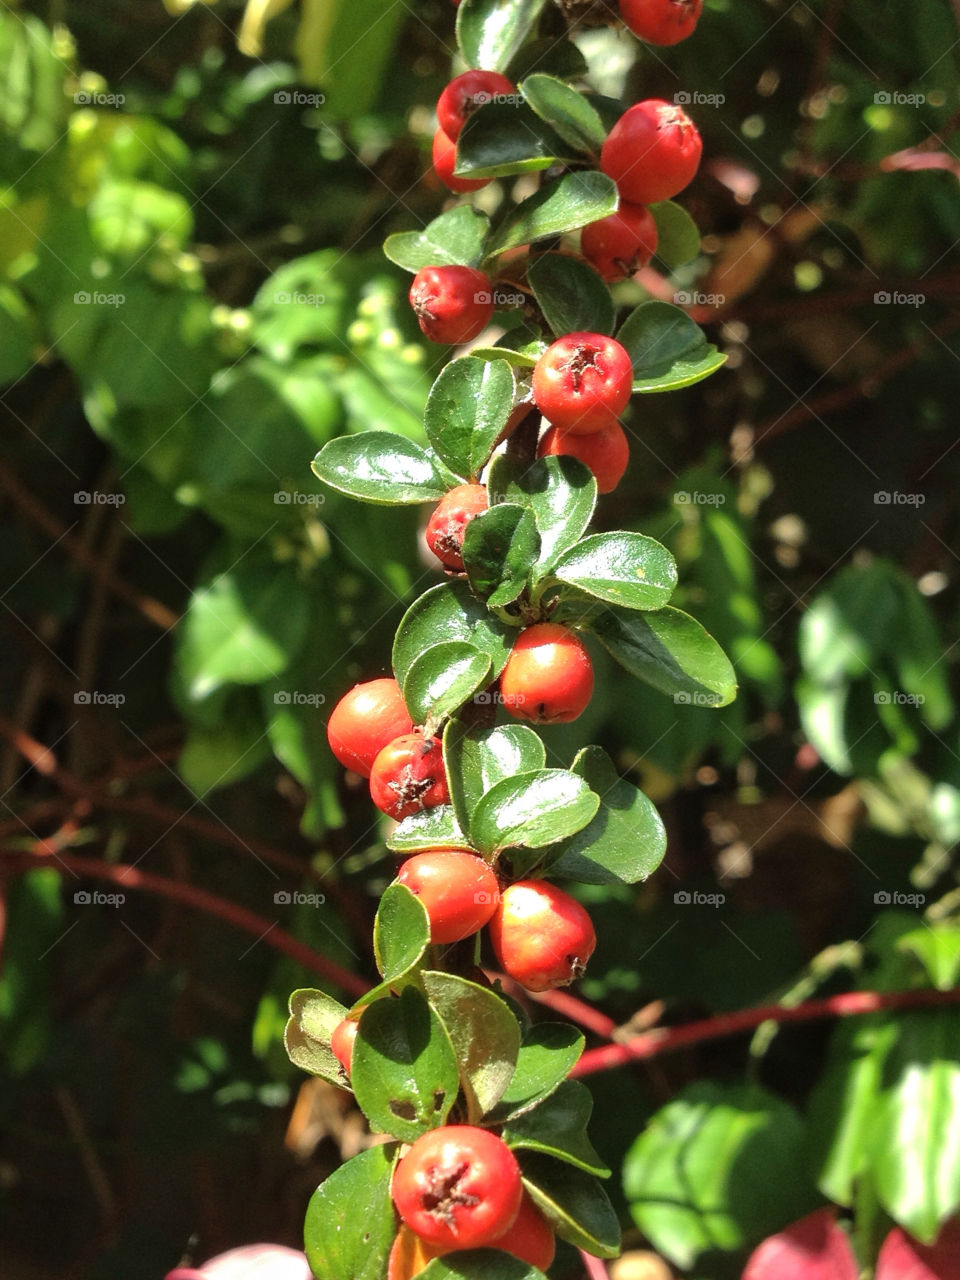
(341, 1042)
(531, 1237)
(605, 452)
(465, 93)
(452, 304)
(458, 1187)
(459, 891)
(364, 721)
(662, 22)
(548, 677)
(408, 775)
(448, 524)
(582, 381)
(652, 152)
(542, 937)
(409, 1255)
(444, 163)
(621, 244)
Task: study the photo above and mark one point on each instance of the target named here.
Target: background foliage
(193, 300)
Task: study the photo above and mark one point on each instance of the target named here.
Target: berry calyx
(444, 163)
(448, 523)
(621, 244)
(364, 721)
(652, 152)
(341, 1042)
(605, 452)
(458, 890)
(548, 678)
(452, 304)
(661, 22)
(458, 1187)
(542, 937)
(408, 775)
(582, 381)
(465, 93)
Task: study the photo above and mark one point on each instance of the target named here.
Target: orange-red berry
(364, 721)
(548, 678)
(542, 937)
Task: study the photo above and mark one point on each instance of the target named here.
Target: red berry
(458, 1187)
(542, 937)
(448, 524)
(652, 152)
(663, 22)
(410, 1255)
(582, 381)
(605, 452)
(458, 890)
(452, 304)
(621, 244)
(408, 775)
(531, 1237)
(464, 94)
(364, 721)
(444, 162)
(548, 678)
(341, 1042)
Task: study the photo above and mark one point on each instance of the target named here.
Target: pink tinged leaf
(812, 1249)
(904, 1259)
(252, 1262)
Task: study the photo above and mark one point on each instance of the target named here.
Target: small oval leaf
(467, 409)
(577, 1206)
(564, 205)
(350, 1222)
(499, 548)
(455, 239)
(667, 348)
(627, 569)
(567, 111)
(532, 810)
(442, 679)
(449, 611)
(484, 1034)
(571, 295)
(380, 467)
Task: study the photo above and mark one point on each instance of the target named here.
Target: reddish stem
(595, 1268)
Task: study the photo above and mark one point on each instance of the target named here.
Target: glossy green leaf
(625, 842)
(350, 1222)
(434, 828)
(467, 410)
(484, 1034)
(571, 295)
(668, 349)
(550, 56)
(558, 1127)
(313, 1018)
(566, 204)
(477, 759)
(449, 611)
(381, 467)
(442, 679)
(401, 932)
(499, 548)
(404, 1069)
(506, 138)
(678, 240)
(627, 569)
(532, 810)
(455, 239)
(720, 1167)
(517, 359)
(565, 110)
(480, 1264)
(577, 1206)
(937, 947)
(489, 32)
(560, 491)
(548, 1054)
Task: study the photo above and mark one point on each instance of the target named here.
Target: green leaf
(350, 1222)
(627, 569)
(455, 239)
(549, 1052)
(558, 1127)
(667, 648)
(577, 1206)
(489, 32)
(625, 842)
(484, 1034)
(667, 348)
(532, 810)
(404, 1069)
(401, 932)
(449, 611)
(572, 297)
(937, 947)
(557, 57)
(477, 759)
(568, 111)
(503, 139)
(381, 467)
(480, 1264)
(435, 828)
(560, 491)
(313, 1019)
(467, 409)
(344, 47)
(442, 679)
(678, 240)
(566, 204)
(720, 1167)
(499, 547)
(516, 359)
